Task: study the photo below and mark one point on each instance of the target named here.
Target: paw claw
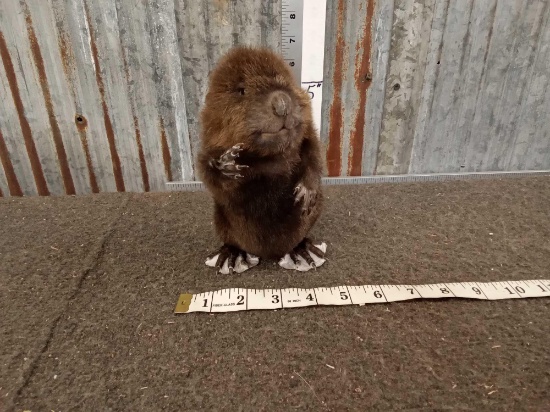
(229, 260)
(304, 257)
(226, 162)
(307, 196)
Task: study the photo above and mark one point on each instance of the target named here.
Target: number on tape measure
(238, 299)
(470, 290)
(264, 299)
(366, 294)
(434, 291)
(527, 289)
(395, 293)
(333, 296)
(295, 297)
(229, 300)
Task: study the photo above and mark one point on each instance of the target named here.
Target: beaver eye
(241, 91)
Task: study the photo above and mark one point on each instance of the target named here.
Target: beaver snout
(281, 103)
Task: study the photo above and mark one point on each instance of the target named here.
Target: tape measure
(238, 299)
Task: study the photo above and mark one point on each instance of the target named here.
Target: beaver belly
(269, 234)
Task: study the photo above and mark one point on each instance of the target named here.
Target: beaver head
(253, 99)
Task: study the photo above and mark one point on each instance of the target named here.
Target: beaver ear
(241, 89)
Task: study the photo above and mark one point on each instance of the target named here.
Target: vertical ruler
(292, 35)
(313, 54)
(303, 46)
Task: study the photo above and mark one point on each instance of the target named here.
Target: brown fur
(257, 212)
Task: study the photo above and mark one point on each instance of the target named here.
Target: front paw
(308, 197)
(227, 165)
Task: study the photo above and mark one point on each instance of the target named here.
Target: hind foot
(229, 259)
(305, 256)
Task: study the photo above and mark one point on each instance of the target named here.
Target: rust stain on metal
(36, 166)
(93, 180)
(81, 122)
(143, 164)
(126, 69)
(117, 169)
(11, 177)
(67, 58)
(334, 150)
(362, 70)
(82, 126)
(56, 131)
(166, 156)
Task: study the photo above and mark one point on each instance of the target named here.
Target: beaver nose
(281, 103)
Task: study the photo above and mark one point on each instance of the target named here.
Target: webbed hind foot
(305, 256)
(230, 259)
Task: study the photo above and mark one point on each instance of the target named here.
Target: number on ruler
(518, 289)
(309, 86)
(411, 290)
(377, 294)
(275, 299)
(309, 297)
(444, 290)
(240, 300)
(292, 16)
(476, 290)
(205, 303)
(344, 296)
(292, 40)
(292, 64)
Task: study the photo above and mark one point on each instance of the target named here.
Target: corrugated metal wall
(103, 95)
(436, 86)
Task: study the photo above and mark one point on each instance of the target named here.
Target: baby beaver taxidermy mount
(261, 160)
